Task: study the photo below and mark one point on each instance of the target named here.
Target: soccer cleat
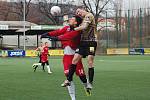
(65, 83)
(49, 72)
(88, 87)
(88, 91)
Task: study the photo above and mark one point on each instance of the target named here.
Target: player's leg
(92, 50)
(48, 67)
(77, 57)
(37, 64)
(81, 73)
(72, 69)
(67, 60)
(71, 90)
(90, 69)
(43, 65)
(35, 67)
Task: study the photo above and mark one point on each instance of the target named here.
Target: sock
(91, 74)
(43, 66)
(71, 90)
(35, 68)
(83, 79)
(48, 69)
(72, 69)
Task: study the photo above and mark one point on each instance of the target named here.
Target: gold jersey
(90, 32)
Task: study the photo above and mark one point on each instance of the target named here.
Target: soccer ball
(55, 10)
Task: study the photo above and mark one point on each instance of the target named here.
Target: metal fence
(117, 29)
(125, 29)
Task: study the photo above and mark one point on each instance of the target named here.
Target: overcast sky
(135, 4)
(126, 4)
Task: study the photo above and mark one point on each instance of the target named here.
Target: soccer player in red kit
(70, 40)
(44, 58)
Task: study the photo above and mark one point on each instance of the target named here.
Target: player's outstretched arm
(82, 27)
(54, 33)
(58, 32)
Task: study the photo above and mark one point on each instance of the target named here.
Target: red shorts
(44, 58)
(67, 61)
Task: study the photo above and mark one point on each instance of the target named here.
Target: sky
(135, 4)
(126, 4)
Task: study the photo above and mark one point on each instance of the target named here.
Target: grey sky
(136, 4)
(126, 4)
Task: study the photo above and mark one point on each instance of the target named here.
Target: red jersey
(44, 54)
(67, 37)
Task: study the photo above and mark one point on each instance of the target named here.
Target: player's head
(75, 21)
(81, 12)
(46, 43)
(41, 44)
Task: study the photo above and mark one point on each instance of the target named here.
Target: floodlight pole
(24, 25)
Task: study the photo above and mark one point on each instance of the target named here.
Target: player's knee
(75, 61)
(90, 63)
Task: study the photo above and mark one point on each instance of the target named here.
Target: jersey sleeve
(86, 21)
(58, 32)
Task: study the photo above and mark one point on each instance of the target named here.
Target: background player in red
(70, 39)
(44, 57)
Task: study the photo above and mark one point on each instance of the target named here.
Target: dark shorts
(87, 48)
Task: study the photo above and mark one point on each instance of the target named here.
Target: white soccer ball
(55, 10)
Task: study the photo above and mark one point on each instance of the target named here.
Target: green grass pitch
(116, 78)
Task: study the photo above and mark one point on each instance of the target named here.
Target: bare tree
(97, 7)
(45, 7)
(4, 10)
(17, 8)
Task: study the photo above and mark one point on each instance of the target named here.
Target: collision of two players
(78, 40)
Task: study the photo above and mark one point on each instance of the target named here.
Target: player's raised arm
(86, 22)
(82, 27)
(55, 33)
(58, 32)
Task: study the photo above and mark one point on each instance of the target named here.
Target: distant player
(87, 46)
(39, 50)
(70, 39)
(44, 57)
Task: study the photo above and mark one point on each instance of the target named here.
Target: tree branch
(101, 9)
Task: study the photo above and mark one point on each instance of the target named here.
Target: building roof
(16, 27)
(16, 23)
